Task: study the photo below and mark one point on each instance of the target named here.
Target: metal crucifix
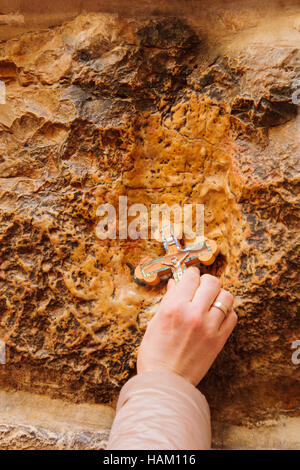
(176, 260)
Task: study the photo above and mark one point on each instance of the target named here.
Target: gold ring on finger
(222, 307)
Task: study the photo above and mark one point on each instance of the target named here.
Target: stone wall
(163, 109)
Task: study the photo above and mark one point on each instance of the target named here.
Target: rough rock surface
(36, 422)
(163, 110)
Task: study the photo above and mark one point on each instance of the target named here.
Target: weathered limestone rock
(163, 110)
(33, 422)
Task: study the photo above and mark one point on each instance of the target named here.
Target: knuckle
(194, 321)
(173, 309)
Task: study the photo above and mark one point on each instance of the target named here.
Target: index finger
(185, 289)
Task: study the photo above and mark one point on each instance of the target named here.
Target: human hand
(187, 333)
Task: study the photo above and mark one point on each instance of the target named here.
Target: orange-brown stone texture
(160, 108)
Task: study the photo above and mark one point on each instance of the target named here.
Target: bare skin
(187, 333)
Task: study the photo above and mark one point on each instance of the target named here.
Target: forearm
(160, 410)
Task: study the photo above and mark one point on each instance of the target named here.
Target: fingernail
(194, 268)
